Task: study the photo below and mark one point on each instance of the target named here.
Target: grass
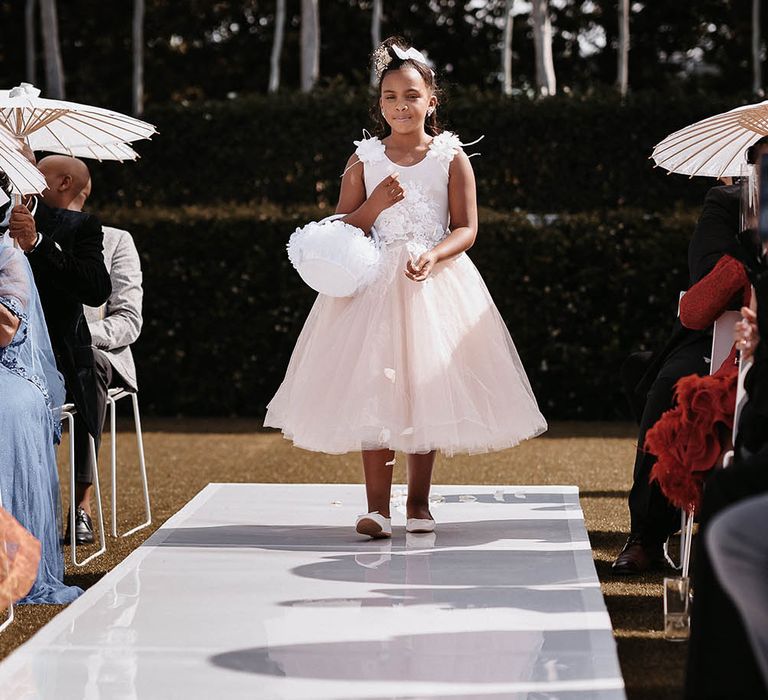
(185, 455)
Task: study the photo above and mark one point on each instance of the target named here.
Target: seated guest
(64, 249)
(113, 325)
(653, 517)
(30, 388)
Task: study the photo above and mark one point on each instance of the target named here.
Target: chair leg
(100, 514)
(683, 535)
(113, 459)
(142, 467)
(71, 426)
(10, 614)
(686, 554)
(9, 620)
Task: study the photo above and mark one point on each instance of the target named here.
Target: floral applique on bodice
(421, 219)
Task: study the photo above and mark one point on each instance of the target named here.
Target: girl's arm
(462, 204)
(362, 212)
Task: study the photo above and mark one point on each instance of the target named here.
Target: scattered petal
(408, 431)
(390, 464)
(466, 498)
(519, 495)
(437, 498)
(336, 504)
(389, 373)
(499, 496)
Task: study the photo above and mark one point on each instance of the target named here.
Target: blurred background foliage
(219, 49)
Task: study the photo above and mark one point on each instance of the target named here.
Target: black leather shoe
(83, 528)
(638, 557)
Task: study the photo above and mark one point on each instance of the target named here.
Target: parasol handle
(16, 201)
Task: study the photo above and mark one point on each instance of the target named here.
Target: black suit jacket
(714, 236)
(69, 271)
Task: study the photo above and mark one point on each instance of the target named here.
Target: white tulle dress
(410, 366)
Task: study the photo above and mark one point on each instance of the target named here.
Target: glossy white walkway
(264, 591)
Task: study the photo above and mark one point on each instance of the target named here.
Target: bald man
(69, 182)
(64, 248)
(114, 325)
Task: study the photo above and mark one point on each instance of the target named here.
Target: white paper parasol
(716, 146)
(67, 127)
(24, 177)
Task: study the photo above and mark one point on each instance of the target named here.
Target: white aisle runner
(264, 591)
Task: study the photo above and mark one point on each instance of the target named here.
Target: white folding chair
(68, 411)
(722, 344)
(9, 620)
(741, 399)
(113, 396)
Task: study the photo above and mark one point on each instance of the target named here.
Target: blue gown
(30, 387)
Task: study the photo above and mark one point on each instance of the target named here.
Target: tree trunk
(375, 34)
(757, 68)
(54, 68)
(542, 42)
(622, 77)
(277, 47)
(310, 44)
(29, 33)
(506, 51)
(138, 57)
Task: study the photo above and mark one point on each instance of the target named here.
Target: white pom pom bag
(333, 257)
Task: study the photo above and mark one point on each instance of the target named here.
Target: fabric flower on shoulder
(370, 149)
(445, 146)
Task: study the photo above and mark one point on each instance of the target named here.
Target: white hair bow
(414, 55)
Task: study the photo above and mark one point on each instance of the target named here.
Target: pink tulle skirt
(410, 366)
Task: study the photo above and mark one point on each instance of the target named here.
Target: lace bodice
(422, 218)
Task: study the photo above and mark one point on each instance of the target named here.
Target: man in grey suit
(114, 326)
(117, 324)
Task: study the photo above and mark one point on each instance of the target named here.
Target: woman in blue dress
(30, 388)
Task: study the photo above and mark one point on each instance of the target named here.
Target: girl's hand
(419, 271)
(746, 334)
(387, 193)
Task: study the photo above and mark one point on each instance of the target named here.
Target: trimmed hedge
(551, 155)
(223, 306)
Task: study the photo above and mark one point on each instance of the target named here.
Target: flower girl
(419, 360)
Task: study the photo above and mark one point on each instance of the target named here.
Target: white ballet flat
(374, 525)
(420, 525)
(420, 540)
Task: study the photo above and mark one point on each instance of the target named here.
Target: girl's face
(405, 99)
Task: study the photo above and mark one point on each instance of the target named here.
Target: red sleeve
(706, 300)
